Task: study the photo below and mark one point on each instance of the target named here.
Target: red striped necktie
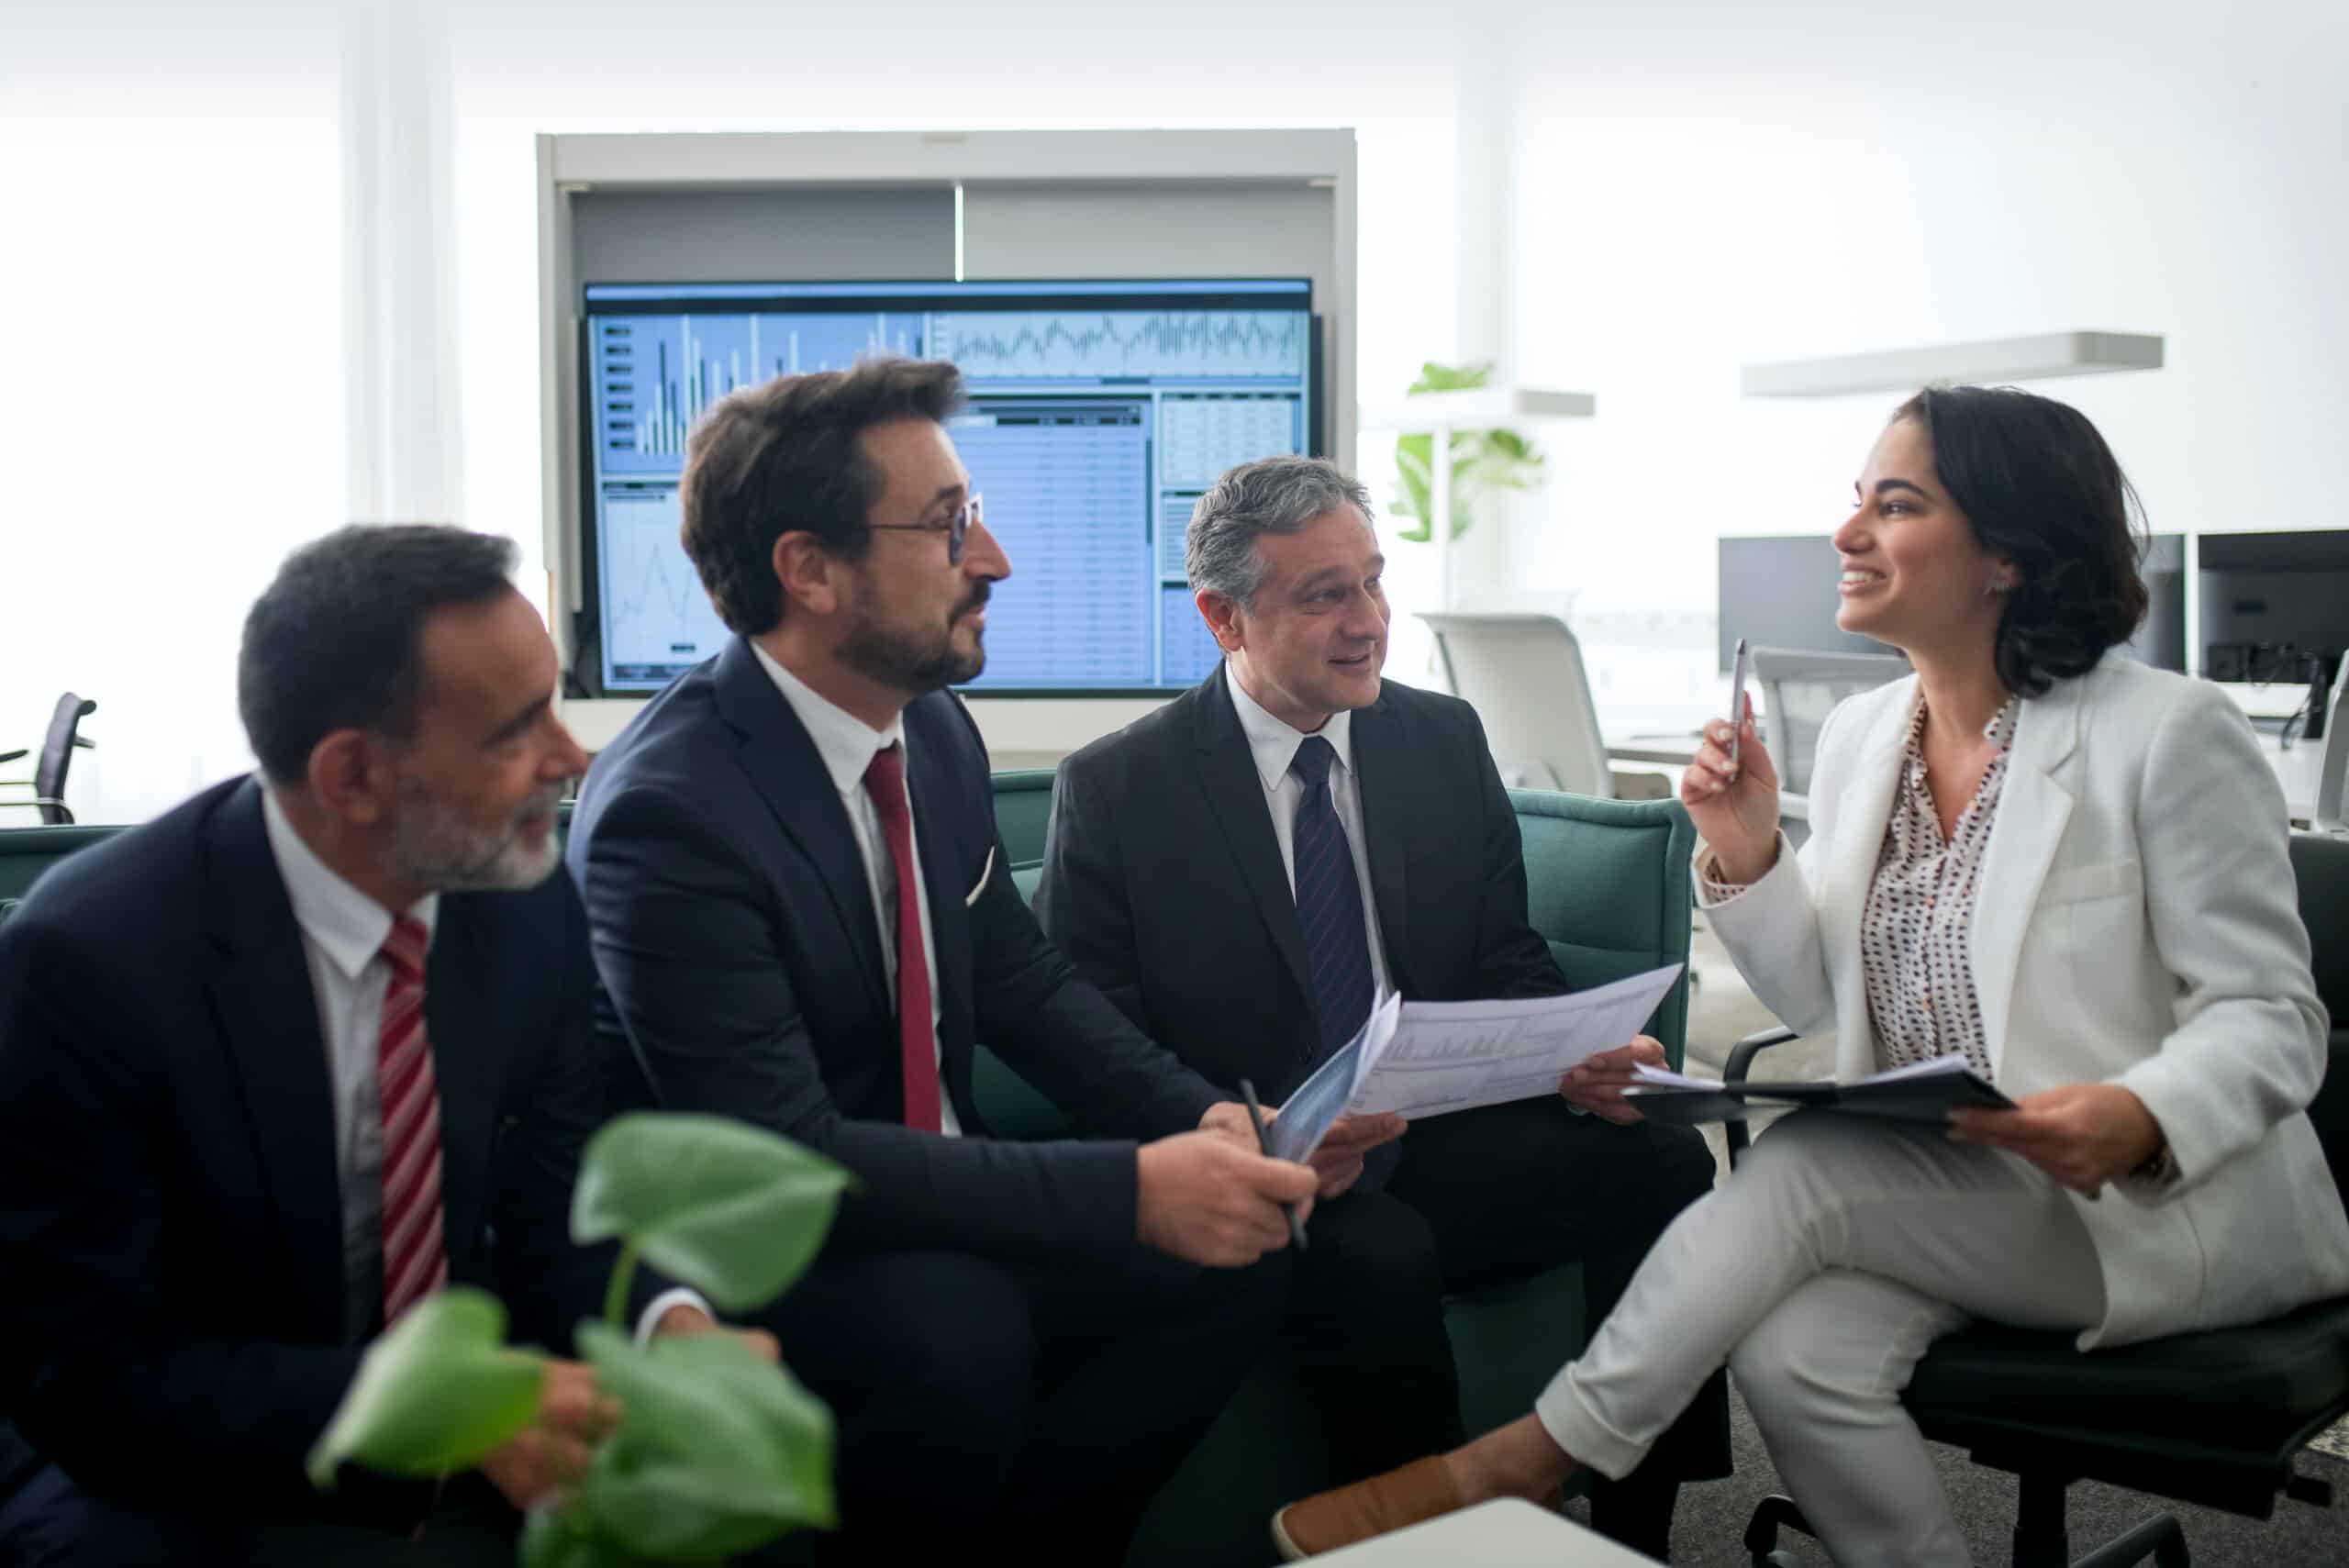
(884, 780)
(415, 1261)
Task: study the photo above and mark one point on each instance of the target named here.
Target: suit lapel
(1861, 815)
(1380, 766)
(268, 1017)
(783, 767)
(2033, 808)
(462, 1023)
(1236, 800)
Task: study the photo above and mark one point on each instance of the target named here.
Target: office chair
(48, 783)
(1524, 676)
(2215, 1417)
(2332, 769)
(1800, 689)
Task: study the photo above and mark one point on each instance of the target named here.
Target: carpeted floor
(1711, 1522)
(1709, 1529)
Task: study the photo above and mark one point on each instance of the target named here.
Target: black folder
(1926, 1093)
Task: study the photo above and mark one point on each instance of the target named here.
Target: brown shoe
(1328, 1521)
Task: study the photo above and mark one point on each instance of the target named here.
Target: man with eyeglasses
(802, 918)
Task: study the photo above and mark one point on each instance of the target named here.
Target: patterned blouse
(1914, 933)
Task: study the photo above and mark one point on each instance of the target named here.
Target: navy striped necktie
(1329, 903)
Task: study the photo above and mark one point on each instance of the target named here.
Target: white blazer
(2135, 924)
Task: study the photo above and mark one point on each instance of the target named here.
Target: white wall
(171, 416)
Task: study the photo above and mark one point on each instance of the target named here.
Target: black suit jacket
(741, 958)
(1163, 883)
(170, 1229)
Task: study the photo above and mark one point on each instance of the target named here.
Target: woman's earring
(1998, 583)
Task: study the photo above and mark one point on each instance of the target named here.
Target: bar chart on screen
(655, 376)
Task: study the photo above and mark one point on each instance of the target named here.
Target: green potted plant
(1482, 460)
(717, 1450)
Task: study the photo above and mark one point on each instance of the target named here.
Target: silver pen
(1736, 704)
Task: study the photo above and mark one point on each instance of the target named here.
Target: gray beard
(432, 849)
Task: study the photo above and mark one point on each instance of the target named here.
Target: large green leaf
(719, 1450)
(666, 1512)
(735, 1212)
(436, 1393)
(567, 1537)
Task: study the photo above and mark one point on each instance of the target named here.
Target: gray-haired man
(1245, 869)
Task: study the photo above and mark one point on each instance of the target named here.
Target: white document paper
(1456, 1056)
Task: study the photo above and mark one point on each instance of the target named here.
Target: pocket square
(981, 885)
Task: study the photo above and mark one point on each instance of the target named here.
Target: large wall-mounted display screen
(1099, 410)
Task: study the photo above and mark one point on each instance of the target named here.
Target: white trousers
(1821, 1272)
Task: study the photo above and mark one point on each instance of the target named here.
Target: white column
(1487, 142)
(1477, 570)
(400, 372)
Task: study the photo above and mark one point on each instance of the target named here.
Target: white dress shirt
(1272, 742)
(343, 932)
(847, 746)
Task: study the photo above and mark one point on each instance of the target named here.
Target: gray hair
(1272, 496)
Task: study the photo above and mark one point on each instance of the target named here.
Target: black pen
(1256, 1115)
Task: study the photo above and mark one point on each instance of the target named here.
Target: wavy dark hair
(783, 456)
(2040, 487)
(336, 641)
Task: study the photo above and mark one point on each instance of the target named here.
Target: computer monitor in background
(2274, 602)
(1098, 412)
(1778, 591)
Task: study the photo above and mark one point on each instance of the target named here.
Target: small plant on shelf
(1482, 460)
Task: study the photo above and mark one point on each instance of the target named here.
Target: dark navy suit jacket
(742, 966)
(170, 1230)
(1163, 881)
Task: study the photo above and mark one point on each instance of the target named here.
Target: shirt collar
(845, 742)
(1272, 742)
(347, 925)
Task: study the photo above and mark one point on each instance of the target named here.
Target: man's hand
(684, 1319)
(553, 1450)
(1598, 1084)
(1338, 1160)
(1228, 1118)
(1200, 1197)
(2084, 1135)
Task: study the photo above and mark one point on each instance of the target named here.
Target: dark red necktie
(885, 781)
(415, 1263)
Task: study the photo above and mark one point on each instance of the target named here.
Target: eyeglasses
(956, 525)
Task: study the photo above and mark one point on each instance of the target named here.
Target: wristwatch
(2158, 1169)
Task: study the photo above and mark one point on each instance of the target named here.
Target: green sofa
(1609, 890)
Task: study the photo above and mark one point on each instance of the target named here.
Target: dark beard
(910, 663)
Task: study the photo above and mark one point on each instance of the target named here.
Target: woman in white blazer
(2065, 865)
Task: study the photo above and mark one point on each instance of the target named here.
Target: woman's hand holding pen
(1734, 806)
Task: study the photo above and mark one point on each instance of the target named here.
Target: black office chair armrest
(1741, 1063)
